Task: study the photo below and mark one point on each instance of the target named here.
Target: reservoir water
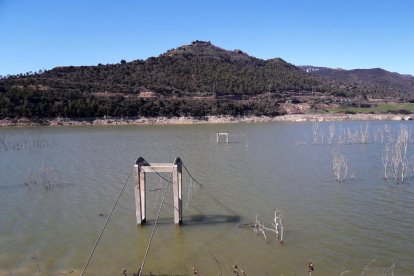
(58, 186)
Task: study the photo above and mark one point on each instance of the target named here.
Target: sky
(349, 34)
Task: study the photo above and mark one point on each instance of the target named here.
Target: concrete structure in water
(225, 134)
(142, 167)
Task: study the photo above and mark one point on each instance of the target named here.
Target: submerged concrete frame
(142, 167)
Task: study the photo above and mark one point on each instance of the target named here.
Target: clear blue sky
(38, 34)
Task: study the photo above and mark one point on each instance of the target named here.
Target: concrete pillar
(143, 195)
(138, 193)
(177, 190)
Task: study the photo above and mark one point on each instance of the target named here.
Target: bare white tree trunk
(364, 135)
(260, 228)
(315, 132)
(331, 134)
(386, 159)
(339, 167)
(366, 267)
(399, 162)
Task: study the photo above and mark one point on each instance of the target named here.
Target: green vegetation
(16, 103)
(375, 82)
(193, 80)
(402, 108)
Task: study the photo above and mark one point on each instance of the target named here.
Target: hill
(377, 82)
(197, 69)
(198, 79)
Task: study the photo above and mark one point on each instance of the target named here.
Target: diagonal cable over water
(204, 188)
(106, 223)
(155, 225)
(209, 193)
(156, 221)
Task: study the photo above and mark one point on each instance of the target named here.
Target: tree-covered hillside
(376, 82)
(197, 69)
(197, 79)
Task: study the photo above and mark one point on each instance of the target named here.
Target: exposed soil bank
(22, 122)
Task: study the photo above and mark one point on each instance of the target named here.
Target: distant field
(379, 108)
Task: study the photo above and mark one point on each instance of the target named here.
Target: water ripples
(341, 226)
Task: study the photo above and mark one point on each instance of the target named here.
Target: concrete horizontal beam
(157, 167)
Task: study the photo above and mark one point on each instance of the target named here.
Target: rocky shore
(24, 122)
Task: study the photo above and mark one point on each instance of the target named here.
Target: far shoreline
(310, 117)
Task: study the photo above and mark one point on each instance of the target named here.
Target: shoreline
(25, 122)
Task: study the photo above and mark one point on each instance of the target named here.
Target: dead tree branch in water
(47, 178)
(386, 159)
(394, 155)
(399, 162)
(331, 134)
(339, 166)
(260, 228)
(315, 133)
(366, 267)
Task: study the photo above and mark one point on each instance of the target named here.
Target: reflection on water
(340, 226)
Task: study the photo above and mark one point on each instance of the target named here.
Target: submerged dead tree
(399, 161)
(47, 178)
(394, 155)
(316, 135)
(331, 134)
(340, 136)
(386, 159)
(367, 268)
(396, 162)
(340, 167)
(277, 226)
